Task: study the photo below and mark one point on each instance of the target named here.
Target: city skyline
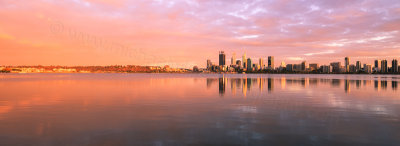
(183, 33)
(250, 65)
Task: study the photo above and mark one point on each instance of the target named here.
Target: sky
(184, 33)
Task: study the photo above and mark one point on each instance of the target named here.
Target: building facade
(249, 65)
(395, 68)
(222, 58)
(347, 64)
(271, 62)
(358, 66)
(384, 68)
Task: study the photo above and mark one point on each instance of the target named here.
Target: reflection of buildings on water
(249, 83)
(305, 82)
(335, 82)
(211, 81)
(376, 85)
(270, 84)
(283, 83)
(358, 84)
(244, 87)
(234, 84)
(313, 82)
(222, 83)
(383, 84)
(347, 86)
(246, 84)
(260, 83)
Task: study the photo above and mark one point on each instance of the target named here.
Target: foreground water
(198, 109)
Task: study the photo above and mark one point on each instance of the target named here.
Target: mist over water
(199, 109)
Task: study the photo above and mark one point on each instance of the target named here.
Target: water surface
(198, 109)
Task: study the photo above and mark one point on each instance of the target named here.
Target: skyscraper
(347, 63)
(303, 66)
(384, 68)
(271, 62)
(233, 59)
(261, 63)
(395, 68)
(244, 60)
(289, 67)
(368, 68)
(222, 58)
(377, 65)
(336, 67)
(209, 64)
(358, 66)
(249, 65)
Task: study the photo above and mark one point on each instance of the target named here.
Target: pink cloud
(181, 31)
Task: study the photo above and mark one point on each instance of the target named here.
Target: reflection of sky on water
(184, 109)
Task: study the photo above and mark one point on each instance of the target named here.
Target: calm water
(197, 109)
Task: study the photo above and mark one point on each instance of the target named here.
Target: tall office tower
(384, 67)
(358, 66)
(303, 66)
(289, 67)
(347, 63)
(261, 63)
(249, 65)
(326, 69)
(377, 65)
(244, 60)
(271, 62)
(352, 68)
(222, 58)
(368, 68)
(209, 64)
(233, 59)
(395, 68)
(336, 67)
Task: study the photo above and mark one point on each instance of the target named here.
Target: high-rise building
(395, 68)
(261, 63)
(314, 66)
(271, 62)
(297, 67)
(244, 60)
(377, 65)
(303, 66)
(289, 67)
(336, 67)
(222, 58)
(368, 68)
(352, 68)
(209, 63)
(326, 69)
(384, 68)
(233, 59)
(347, 63)
(358, 66)
(249, 65)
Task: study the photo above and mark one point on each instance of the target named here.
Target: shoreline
(194, 73)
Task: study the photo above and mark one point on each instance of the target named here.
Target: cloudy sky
(183, 33)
